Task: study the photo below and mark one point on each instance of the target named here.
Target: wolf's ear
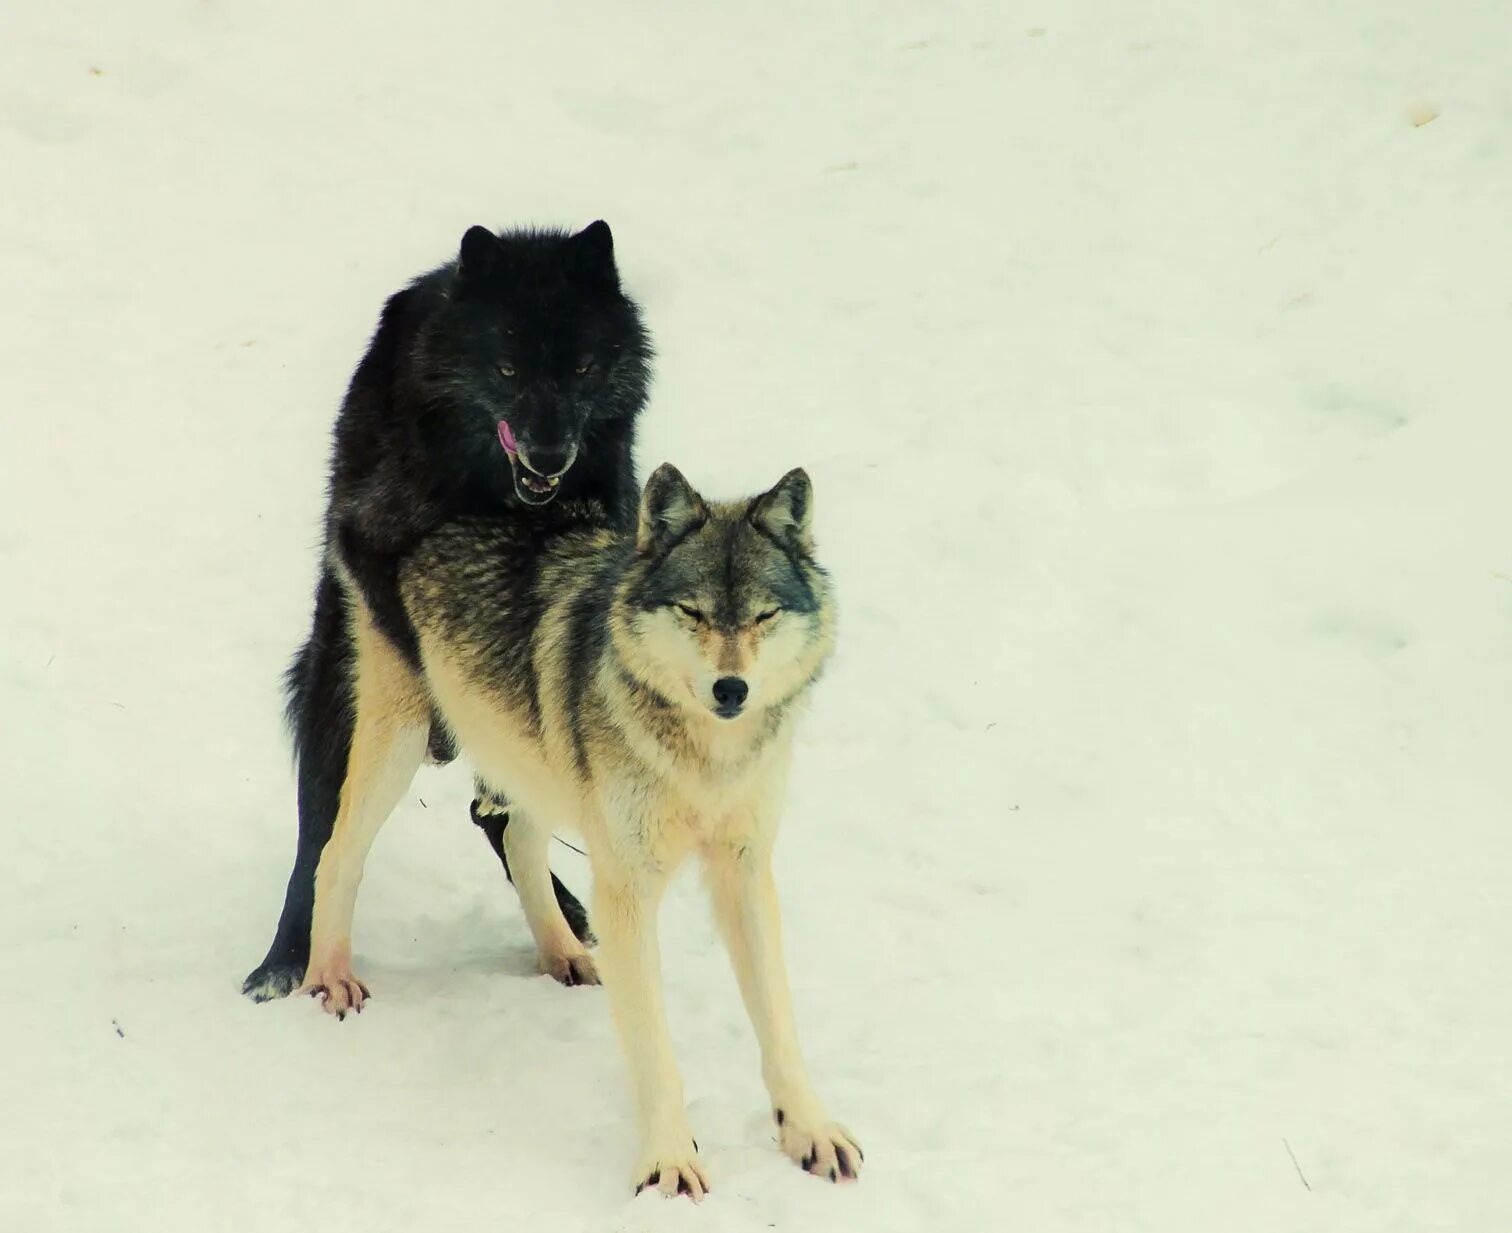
(590, 256)
(787, 510)
(669, 509)
(481, 254)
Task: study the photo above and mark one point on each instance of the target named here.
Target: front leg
(629, 960)
(745, 908)
(387, 746)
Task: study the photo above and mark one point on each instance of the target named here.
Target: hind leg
(322, 714)
(562, 955)
(490, 811)
(388, 743)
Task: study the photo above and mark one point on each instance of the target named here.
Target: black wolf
(496, 383)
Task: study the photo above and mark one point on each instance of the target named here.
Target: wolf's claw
(828, 1150)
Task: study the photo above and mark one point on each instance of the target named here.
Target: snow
(1146, 864)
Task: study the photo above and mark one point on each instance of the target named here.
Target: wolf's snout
(730, 694)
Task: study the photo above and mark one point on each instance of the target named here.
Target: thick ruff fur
(496, 384)
(642, 692)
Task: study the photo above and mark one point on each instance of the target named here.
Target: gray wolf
(642, 690)
(506, 379)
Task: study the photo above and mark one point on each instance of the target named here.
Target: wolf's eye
(767, 615)
(693, 614)
(584, 365)
(506, 370)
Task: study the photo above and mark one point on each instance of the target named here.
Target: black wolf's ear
(787, 510)
(669, 509)
(590, 256)
(481, 253)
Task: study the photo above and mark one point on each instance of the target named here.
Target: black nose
(547, 460)
(730, 692)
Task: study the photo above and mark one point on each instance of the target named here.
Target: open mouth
(729, 712)
(530, 486)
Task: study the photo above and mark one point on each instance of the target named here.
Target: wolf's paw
(674, 1171)
(571, 968)
(273, 980)
(825, 1149)
(338, 990)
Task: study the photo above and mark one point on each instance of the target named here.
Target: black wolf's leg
(491, 813)
(321, 715)
(441, 749)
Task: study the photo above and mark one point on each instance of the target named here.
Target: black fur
(417, 440)
(527, 327)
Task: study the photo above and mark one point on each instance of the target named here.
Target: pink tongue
(506, 438)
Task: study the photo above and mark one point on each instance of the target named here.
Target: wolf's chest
(708, 799)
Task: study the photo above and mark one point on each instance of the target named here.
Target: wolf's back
(499, 595)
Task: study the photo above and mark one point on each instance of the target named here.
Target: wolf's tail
(319, 678)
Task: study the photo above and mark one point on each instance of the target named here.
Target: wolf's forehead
(736, 567)
(541, 320)
(535, 337)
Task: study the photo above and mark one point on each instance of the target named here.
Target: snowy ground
(1151, 828)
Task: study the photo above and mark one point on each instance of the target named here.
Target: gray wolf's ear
(669, 510)
(787, 510)
(481, 253)
(590, 256)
